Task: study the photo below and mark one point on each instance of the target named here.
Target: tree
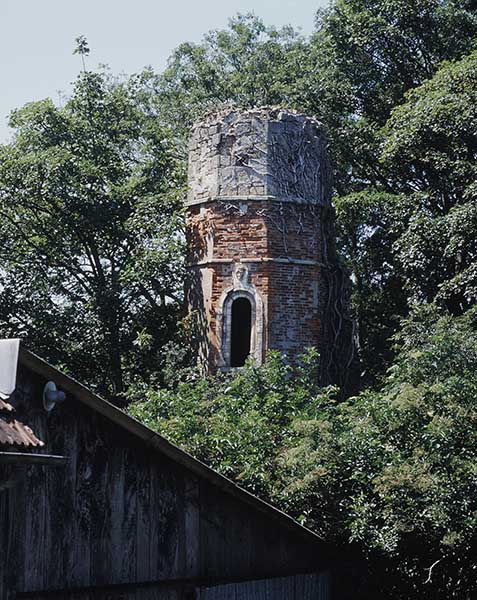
(90, 222)
(82, 49)
(237, 423)
(362, 59)
(247, 64)
(353, 71)
(390, 472)
(368, 54)
(370, 223)
(431, 141)
(389, 475)
(417, 243)
(394, 470)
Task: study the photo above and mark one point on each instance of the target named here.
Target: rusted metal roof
(12, 431)
(15, 433)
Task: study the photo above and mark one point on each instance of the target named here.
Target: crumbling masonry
(263, 272)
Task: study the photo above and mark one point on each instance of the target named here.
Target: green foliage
(430, 138)
(82, 47)
(91, 227)
(237, 423)
(431, 141)
(357, 67)
(92, 268)
(353, 72)
(391, 472)
(247, 64)
(369, 225)
(383, 48)
(369, 53)
(394, 470)
(417, 243)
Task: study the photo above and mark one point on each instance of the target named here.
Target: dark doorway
(241, 331)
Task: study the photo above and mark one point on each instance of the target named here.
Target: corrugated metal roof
(15, 433)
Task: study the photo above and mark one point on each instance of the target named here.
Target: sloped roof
(16, 433)
(161, 445)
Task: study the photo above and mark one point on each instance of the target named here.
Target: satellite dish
(52, 396)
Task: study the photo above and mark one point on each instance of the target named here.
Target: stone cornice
(283, 261)
(251, 198)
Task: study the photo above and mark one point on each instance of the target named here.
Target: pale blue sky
(37, 37)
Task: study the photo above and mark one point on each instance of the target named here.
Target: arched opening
(241, 331)
(240, 325)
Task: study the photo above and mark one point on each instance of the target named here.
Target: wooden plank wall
(300, 587)
(139, 595)
(119, 513)
(4, 534)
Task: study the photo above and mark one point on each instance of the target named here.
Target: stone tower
(260, 236)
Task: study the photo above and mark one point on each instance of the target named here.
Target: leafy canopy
(237, 424)
(394, 470)
(432, 141)
(356, 68)
(90, 225)
(390, 473)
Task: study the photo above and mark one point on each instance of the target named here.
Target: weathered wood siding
(151, 594)
(299, 587)
(120, 512)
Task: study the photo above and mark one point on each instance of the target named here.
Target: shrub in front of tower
(238, 423)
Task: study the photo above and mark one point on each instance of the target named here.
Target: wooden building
(97, 506)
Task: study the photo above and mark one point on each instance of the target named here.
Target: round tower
(260, 240)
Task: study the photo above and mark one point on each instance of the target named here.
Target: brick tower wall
(258, 208)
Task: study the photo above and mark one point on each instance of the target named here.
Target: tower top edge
(229, 114)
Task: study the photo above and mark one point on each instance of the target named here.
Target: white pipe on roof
(8, 367)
